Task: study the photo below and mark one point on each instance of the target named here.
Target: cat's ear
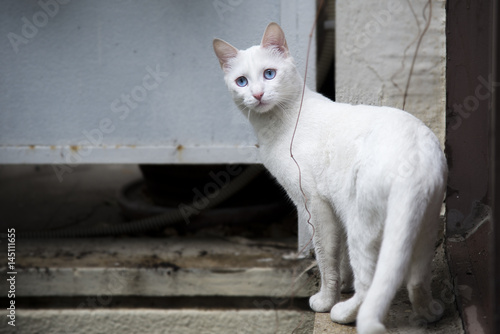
(274, 38)
(224, 52)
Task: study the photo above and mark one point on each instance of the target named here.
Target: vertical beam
(468, 151)
(495, 184)
(468, 97)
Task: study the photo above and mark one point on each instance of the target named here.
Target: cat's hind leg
(425, 308)
(403, 225)
(363, 250)
(327, 244)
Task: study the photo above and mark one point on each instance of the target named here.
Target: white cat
(374, 177)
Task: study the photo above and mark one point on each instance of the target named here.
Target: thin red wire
(320, 6)
(296, 125)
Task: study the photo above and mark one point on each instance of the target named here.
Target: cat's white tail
(407, 250)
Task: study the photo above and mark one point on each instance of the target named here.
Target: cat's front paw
(322, 302)
(345, 312)
(371, 328)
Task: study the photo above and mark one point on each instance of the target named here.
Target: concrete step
(184, 285)
(160, 267)
(167, 285)
(154, 321)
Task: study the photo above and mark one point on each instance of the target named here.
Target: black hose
(150, 223)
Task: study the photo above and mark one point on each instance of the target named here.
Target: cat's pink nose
(258, 96)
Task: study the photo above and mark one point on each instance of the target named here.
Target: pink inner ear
(281, 49)
(274, 38)
(224, 52)
(273, 43)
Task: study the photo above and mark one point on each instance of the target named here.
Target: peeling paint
(179, 150)
(167, 153)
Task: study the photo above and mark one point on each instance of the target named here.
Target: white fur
(375, 175)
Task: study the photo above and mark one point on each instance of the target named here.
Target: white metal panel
(130, 82)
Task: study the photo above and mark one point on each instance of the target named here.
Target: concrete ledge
(167, 285)
(159, 282)
(159, 267)
(132, 321)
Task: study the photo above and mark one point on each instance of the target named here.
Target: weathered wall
(375, 45)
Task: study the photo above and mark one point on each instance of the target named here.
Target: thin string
(302, 318)
(295, 130)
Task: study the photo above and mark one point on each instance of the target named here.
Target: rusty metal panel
(130, 81)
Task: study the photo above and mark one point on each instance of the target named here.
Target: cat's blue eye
(269, 74)
(242, 81)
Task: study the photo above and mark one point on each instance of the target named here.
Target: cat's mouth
(262, 103)
(260, 106)
(263, 106)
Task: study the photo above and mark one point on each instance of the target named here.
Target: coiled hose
(150, 223)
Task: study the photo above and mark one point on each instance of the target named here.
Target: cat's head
(261, 77)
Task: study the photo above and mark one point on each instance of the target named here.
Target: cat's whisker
(243, 107)
(287, 100)
(282, 105)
